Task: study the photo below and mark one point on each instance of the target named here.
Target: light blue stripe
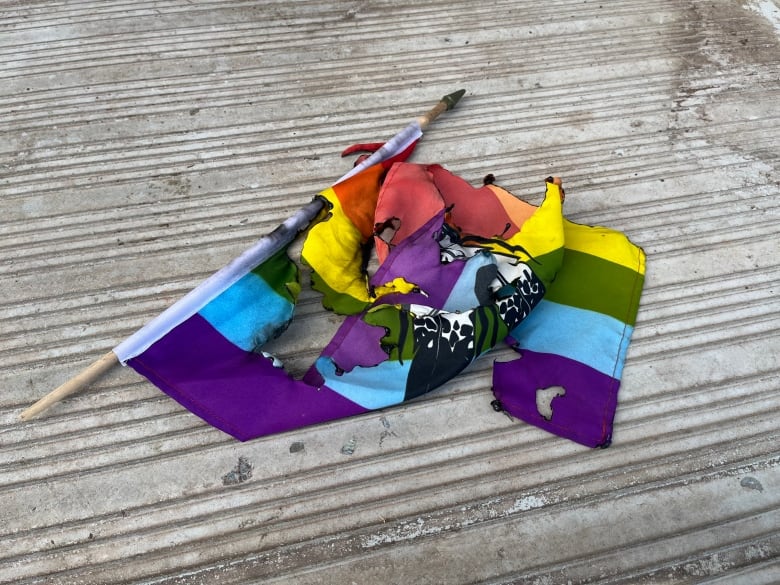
(375, 387)
(462, 296)
(591, 338)
(248, 313)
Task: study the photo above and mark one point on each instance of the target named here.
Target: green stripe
(589, 282)
(336, 301)
(281, 274)
(399, 330)
(547, 265)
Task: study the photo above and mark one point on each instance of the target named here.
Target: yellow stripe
(332, 249)
(542, 233)
(604, 243)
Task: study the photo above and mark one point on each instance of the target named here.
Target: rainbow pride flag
(461, 269)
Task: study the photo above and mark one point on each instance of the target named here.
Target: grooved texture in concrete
(145, 144)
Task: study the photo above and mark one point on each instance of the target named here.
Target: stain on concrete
(297, 447)
(751, 483)
(349, 447)
(239, 474)
(387, 432)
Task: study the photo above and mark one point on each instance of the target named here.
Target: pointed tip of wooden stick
(453, 98)
(445, 104)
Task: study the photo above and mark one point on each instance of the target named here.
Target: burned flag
(461, 269)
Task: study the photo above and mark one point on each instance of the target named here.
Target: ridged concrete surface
(145, 144)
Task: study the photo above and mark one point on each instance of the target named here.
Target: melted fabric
(461, 269)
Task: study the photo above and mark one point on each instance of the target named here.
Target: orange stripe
(358, 196)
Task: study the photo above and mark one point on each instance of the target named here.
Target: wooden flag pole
(76, 383)
(109, 360)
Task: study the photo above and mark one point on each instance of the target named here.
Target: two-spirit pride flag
(460, 270)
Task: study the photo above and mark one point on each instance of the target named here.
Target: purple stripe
(418, 259)
(238, 392)
(356, 343)
(584, 413)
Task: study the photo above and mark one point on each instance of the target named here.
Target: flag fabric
(573, 347)
(460, 270)
(444, 294)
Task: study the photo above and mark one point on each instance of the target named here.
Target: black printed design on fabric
(445, 343)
